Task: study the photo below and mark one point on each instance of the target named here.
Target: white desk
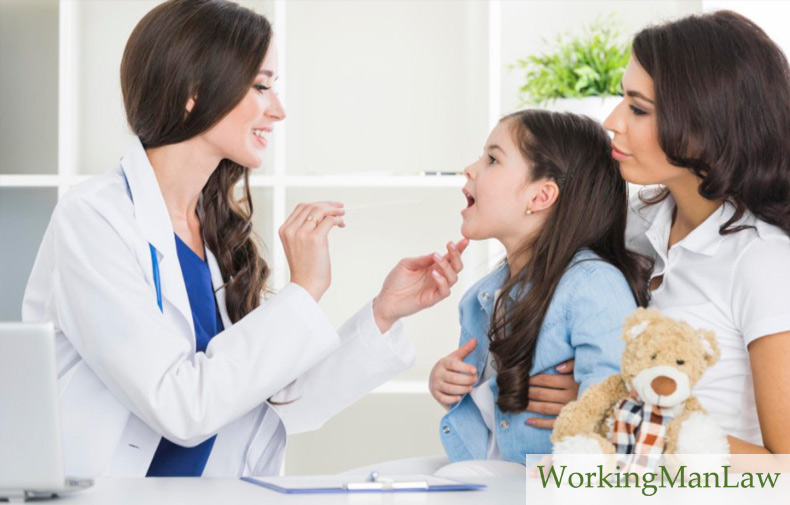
(193, 491)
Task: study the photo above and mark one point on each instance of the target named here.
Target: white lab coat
(128, 372)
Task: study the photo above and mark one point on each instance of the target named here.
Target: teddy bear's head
(664, 358)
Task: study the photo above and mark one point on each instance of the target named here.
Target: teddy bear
(647, 409)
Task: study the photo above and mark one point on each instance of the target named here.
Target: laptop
(31, 451)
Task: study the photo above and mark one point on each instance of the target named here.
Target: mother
(167, 352)
(705, 116)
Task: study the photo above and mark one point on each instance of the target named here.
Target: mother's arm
(769, 357)
(549, 393)
(760, 287)
(601, 300)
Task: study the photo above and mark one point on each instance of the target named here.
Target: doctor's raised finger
(305, 242)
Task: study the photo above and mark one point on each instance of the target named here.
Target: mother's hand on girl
(305, 239)
(417, 283)
(548, 393)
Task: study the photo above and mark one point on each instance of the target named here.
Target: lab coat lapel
(219, 287)
(154, 220)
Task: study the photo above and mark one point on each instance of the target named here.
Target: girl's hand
(548, 393)
(451, 378)
(305, 239)
(417, 283)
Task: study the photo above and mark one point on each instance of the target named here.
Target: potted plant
(581, 74)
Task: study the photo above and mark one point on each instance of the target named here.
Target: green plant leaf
(590, 63)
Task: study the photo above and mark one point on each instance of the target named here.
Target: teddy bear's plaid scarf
(639, 434)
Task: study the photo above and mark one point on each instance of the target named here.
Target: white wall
(771, 16)
(385, 86)
(29, 84)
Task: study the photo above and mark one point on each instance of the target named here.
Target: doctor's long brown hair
(209, 50)
(590, 212)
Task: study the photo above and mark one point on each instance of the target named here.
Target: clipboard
(374, 484)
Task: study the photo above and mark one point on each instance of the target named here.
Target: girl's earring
(529, 212)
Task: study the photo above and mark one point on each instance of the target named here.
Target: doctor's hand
(305, 239)
(417, 283)
(451, 378)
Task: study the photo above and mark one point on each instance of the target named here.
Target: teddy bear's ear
(711, 346)
(637, 323)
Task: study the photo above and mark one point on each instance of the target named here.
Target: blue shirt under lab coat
(171, 460)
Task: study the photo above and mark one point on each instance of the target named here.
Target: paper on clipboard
(340, 484)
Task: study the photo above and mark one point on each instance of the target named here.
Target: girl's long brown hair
(722, 96)
(211, 51)
(590, 212)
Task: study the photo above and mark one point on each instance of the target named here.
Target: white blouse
(737, 285)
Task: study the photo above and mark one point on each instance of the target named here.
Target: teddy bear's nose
(663, 385)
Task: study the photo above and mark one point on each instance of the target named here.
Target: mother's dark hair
(722, 98)
(209, 51)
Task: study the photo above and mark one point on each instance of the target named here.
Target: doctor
(170, 361)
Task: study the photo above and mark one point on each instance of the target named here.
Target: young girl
(548, 189)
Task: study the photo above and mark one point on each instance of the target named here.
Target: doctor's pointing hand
(170, 360)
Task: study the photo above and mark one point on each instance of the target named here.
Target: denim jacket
(584, 321)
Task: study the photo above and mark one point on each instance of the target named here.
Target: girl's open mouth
(470, 200)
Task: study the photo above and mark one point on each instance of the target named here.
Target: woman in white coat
(143, 267)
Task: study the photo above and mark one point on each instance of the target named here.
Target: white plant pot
(595, 107)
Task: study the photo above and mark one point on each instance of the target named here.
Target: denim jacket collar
(487, 289)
